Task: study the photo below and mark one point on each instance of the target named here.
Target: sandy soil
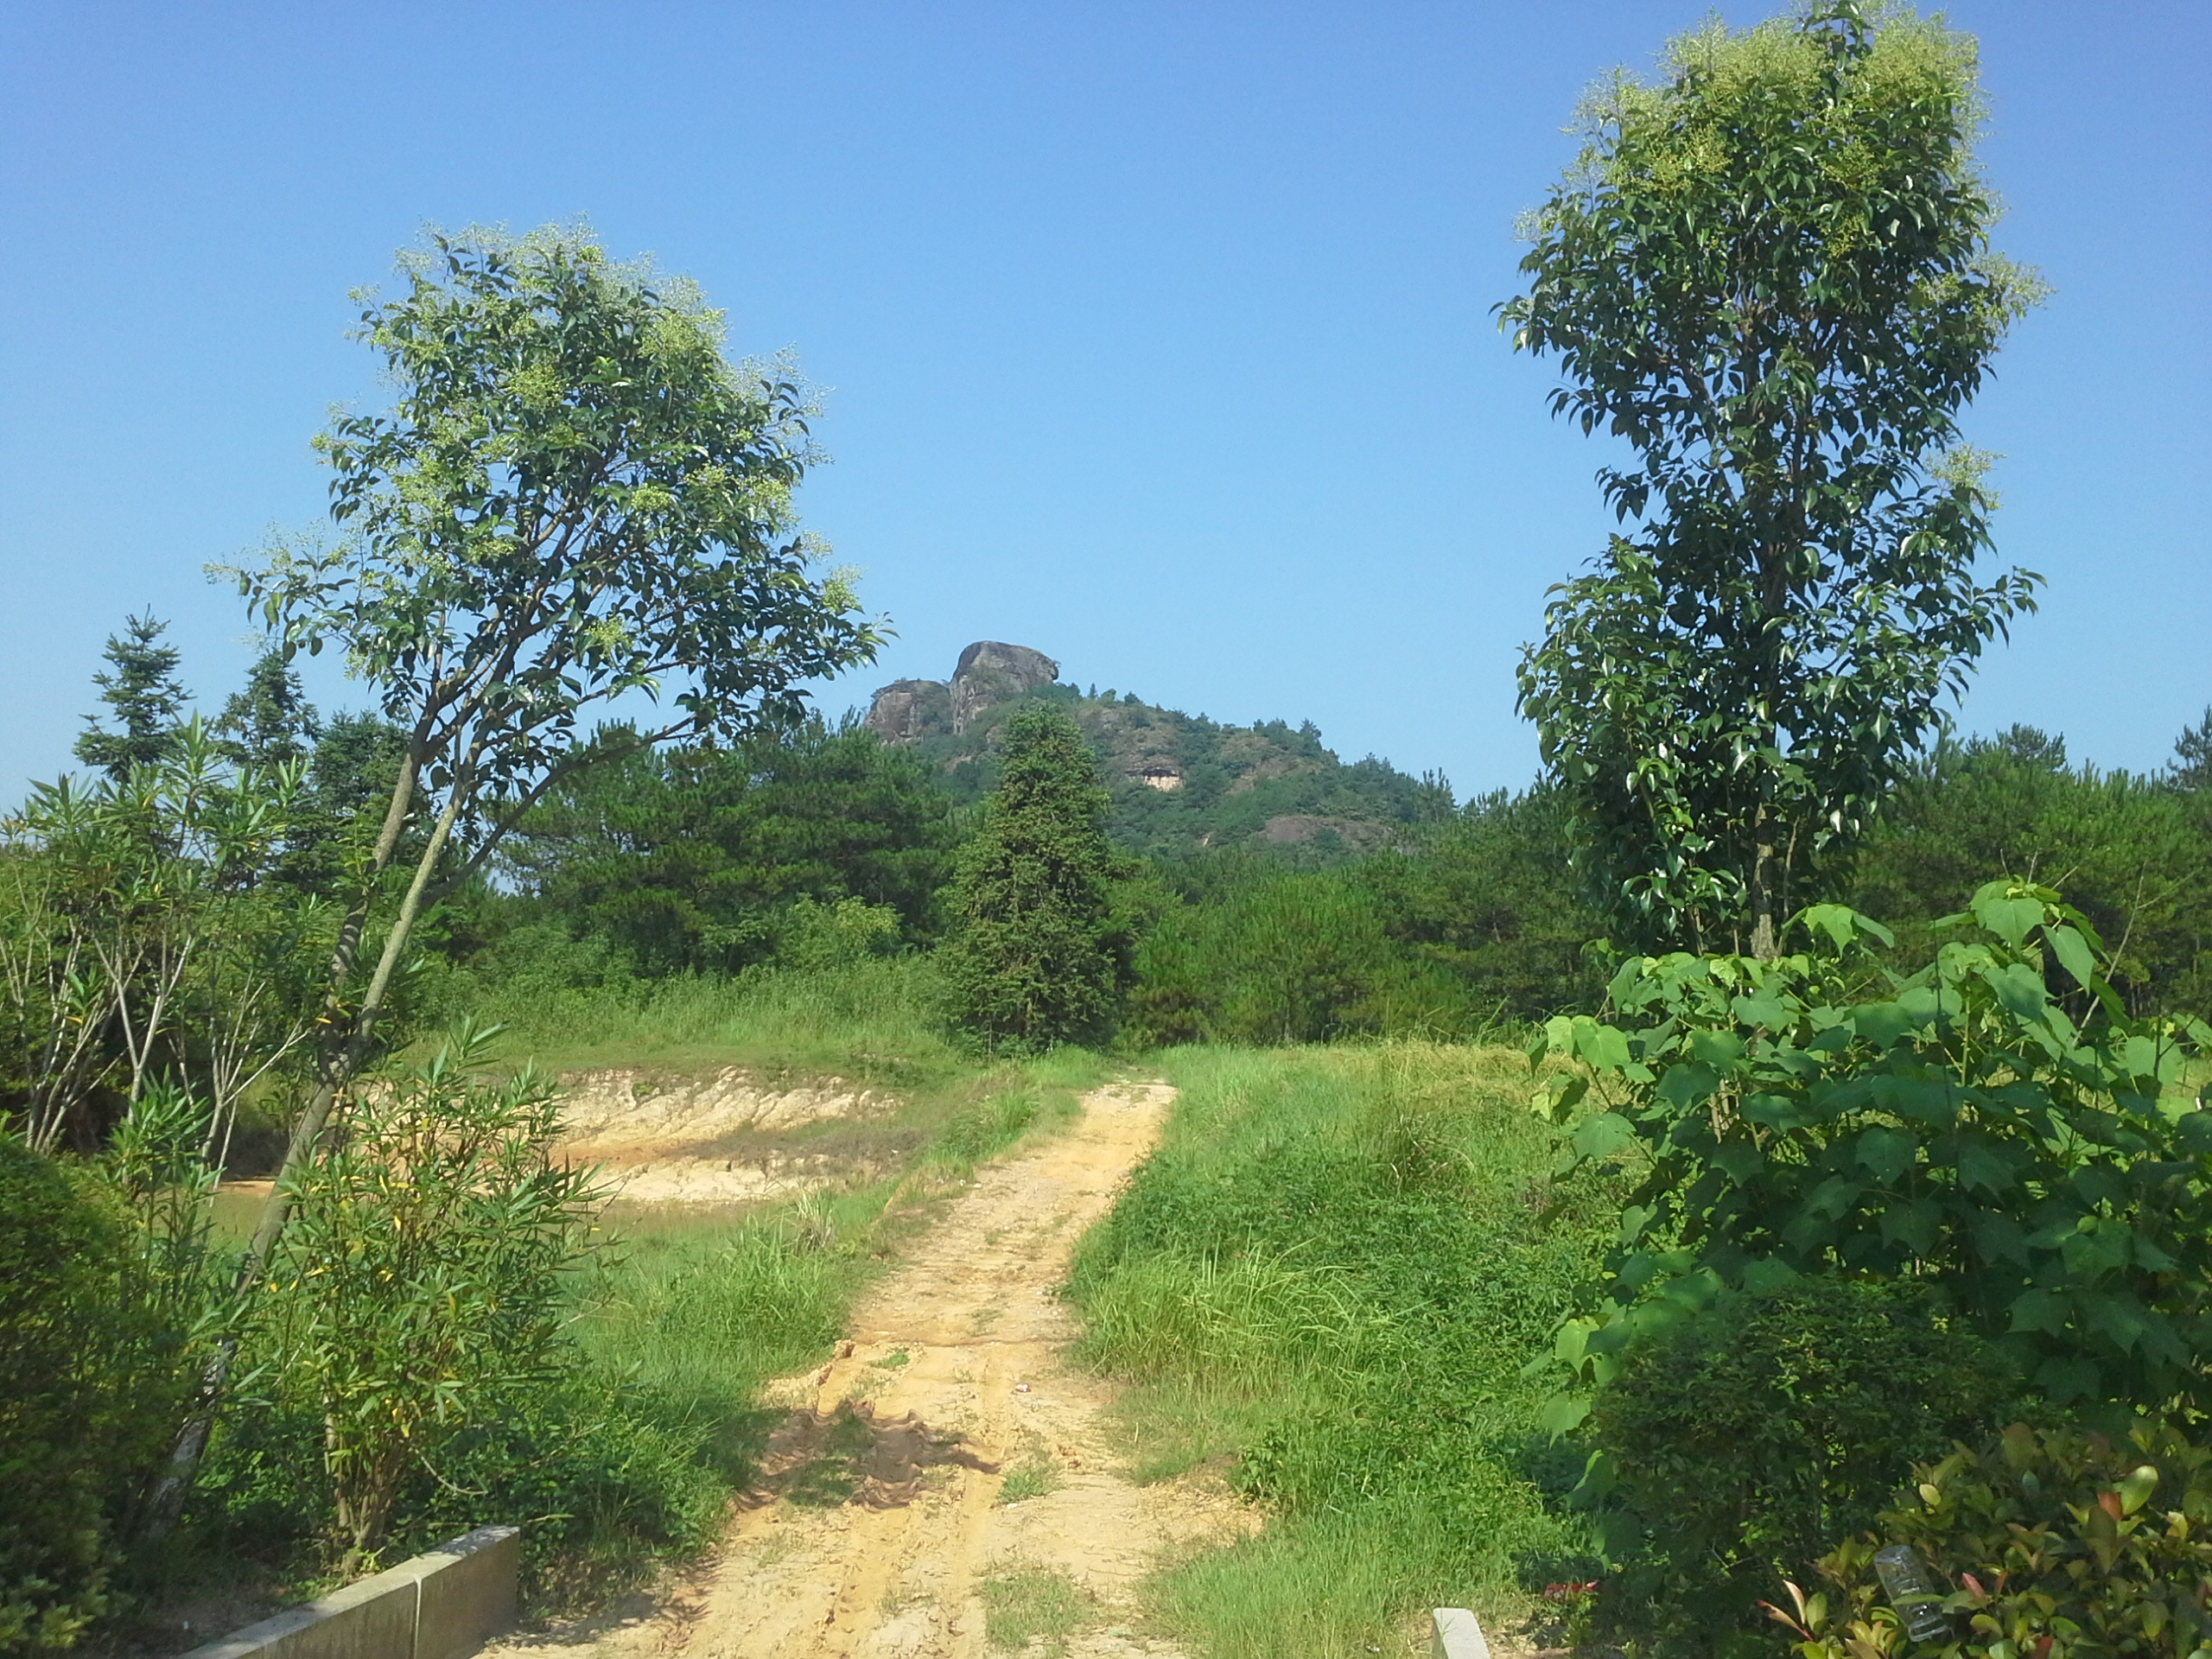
(876, 1517)
(656, 1137)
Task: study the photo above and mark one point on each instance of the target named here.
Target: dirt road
(879, 1524)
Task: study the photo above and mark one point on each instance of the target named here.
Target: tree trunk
(1764, 946)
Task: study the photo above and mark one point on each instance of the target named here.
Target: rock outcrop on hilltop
(1178, 782)
(905, 711)
(990, 672)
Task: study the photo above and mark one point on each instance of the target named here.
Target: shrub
(1964, 1129)
(420, 1286)
(1742, 1439)
(2047, 1545)
(75, 1430)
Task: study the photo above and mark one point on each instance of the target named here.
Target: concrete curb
(441, 1605)
(1458, 1636)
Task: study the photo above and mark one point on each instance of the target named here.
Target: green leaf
(1603, 1133)
(2020, 990)
(2073, 953)
(1722, 1050)
(1563, 1414)
(1881, 1023)
(1887, 1154)
(2009, 918)
(2135, 1490)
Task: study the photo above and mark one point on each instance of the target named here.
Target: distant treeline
(826, 841)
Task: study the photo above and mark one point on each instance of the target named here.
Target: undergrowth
(1326, 1281)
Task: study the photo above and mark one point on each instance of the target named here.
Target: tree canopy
(1769, 273)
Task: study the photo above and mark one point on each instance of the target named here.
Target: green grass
(1023, 1604)
(1326, 1283)
(875, 1020)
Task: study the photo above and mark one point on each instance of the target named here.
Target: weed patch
(1327, 1282)
(1024, 1604)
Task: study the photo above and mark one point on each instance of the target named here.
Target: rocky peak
(990, 672)
(906, 710)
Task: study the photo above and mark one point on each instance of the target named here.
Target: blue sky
(1157, 336)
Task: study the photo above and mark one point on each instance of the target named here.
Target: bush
(1963, 1129)
(76, 1430)
(419, 1289)
(1742, 1439)
(2048, 1544)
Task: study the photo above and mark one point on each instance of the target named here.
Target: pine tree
(270, 722)
(1040, 956)
(144, 697)
(2192, 765)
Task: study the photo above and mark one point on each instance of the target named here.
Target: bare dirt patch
(876, 1525)
(717, 1138)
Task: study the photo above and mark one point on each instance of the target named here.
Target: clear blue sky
(1158, 334)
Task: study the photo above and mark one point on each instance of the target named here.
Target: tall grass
(876, 1018)
(1328, 1280)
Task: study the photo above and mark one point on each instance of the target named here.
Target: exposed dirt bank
(677, 1138)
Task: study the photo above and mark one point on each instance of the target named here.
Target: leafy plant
(420, 1288)
(82, 1420)
(1769, 273)
(574, 496)
(2050, 1544)
(1962, 1129)
(1740, 1442)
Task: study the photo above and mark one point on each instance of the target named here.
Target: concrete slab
(1458, 1636)
(442, 1603)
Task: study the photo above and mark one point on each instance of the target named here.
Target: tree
(688, 859)
(144, 698)
(270, 722)
(1769, 273)
(1040, 956)
(2192, 763)
(574, 496)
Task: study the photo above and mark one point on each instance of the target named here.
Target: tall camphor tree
(574, 496)
(1769, 273)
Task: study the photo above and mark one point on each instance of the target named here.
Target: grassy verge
(874, 1020)
(1327, 1282)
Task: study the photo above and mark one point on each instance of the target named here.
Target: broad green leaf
(2073, 953)
(2135, 1490)
(1722, 1050)
(1603, 1133)
(2020, 990)
(1563, 1414)
(2008, 919)
(1881, 1023)
(1981, 1166)
(1763, 1010)
(1886, 1152)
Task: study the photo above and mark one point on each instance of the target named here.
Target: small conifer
(144, 696)
(1040, 956)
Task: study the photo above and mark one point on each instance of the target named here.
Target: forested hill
(1180, 782)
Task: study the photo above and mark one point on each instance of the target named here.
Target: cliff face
(905, 711)
(990, 672)
(1179, 782)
